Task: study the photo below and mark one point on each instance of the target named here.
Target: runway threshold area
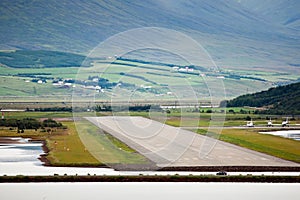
(175, 147)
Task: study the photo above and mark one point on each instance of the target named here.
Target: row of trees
(29, 123)
(135, 108)
(51, 109)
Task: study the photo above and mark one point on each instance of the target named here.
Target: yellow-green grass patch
(273, 145)
(106, 148)
(68, 150)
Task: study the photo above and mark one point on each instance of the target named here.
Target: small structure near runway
(9, 110)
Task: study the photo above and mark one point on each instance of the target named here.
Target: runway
(171, 146)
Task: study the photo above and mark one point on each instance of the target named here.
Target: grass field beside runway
(110, 150)
(106, 148)
(280, 147)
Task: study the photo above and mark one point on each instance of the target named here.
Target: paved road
(170, 146)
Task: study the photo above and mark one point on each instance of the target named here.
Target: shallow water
(27, 152)
(292, 134)
(22, 159)
(145, 191)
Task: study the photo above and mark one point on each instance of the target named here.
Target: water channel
(22, 159)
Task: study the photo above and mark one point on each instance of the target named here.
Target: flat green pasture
(273, 75)
(106, 148)
(55, 72)
(64, 145)
(16, 86)
(143, 74)
(86, 145)
(68, 149)
(39, 135)
(82, 144)
(37, 115)
(273, 145)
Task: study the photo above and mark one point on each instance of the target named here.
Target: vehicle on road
(221, 173)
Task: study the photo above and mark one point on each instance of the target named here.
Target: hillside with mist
(240, 33)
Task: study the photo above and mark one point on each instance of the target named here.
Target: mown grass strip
(284, 148)
(105, 147)
(68, 150)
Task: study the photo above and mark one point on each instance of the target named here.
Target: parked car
(222, 173)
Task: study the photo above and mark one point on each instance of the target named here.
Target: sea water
(292, 134)
(22, 159)
(149, 191)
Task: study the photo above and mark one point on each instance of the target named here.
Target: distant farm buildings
(64, 83)
(183, 69)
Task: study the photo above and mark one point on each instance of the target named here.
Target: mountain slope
(280, 100)
(230, 31)
(40, 59)
(280, 12)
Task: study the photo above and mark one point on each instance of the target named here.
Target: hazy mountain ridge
(280, 12)
(232, 32)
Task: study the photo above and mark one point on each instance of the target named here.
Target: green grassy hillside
(255, 45)
(40, 59)
(278, 100)
(21, 70)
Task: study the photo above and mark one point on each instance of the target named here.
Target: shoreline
(128, 167)
(43, 156)
(155, 178)
(47, 163)
(132, 167)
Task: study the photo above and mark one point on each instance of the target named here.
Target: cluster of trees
(52, 109)
(238, 77)
(135, 108)
(36, 80)
(278, 100)
(232, 111)
(65, 81)
(145, 108)
(102, 82)
(101, 108)
(29, 123)
(50, 123)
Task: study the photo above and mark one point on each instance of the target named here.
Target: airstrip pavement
(174, 147)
